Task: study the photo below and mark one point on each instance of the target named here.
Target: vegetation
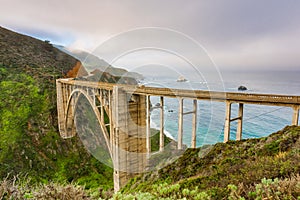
(288, 188)
(30, 144)
(224, 170)
(248, 169)
(20, 188)
(35, 163)
(155, 140)
(29, 139)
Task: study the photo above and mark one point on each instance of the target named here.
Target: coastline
(155, 126)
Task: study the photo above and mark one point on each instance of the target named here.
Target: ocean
(259, 120)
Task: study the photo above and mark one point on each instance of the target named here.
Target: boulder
(242, 88)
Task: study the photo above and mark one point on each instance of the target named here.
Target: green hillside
(29, 140)
(265, 168)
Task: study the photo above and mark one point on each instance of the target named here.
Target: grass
(265, 168)
(22, 188)
(240, 163)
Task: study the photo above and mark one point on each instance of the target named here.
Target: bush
(288, 188)
(22, 188)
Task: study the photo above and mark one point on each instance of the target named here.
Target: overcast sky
(250, 34)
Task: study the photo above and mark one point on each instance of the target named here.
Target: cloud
(236, 33)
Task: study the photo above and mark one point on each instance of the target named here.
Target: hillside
(265, 168)
(29, 140)
(33, 56)
(92, 63)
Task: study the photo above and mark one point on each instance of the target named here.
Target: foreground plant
(288, 188)
(22, 188)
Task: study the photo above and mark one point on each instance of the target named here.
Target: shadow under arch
(69, 121)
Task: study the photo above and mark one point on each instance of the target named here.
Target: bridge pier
(65, 121)
(60, 107)
(161, 135)
(128, 136)
(240, 122)
(228, 120)
(194, 124)
(296, 115)
(180, 123)
(148, 130)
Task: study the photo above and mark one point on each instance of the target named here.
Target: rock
(181, 79)
(242, 88)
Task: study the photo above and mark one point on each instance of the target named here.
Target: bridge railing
(284, 100)
(269, 98)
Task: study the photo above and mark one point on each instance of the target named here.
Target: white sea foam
(157, 127)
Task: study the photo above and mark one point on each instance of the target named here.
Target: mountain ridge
(92, 62)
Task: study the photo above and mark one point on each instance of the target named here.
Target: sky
(235, 34)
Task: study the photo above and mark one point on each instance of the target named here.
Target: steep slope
(29, 139)
(92, 63)
(230, 170)
(26, 53)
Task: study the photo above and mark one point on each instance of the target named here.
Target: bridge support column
(227, 121)
(180, 124)
(102, 106)
(296, 116)
(129, 136)
(240, 122)
(194, 124)
(161, 136)
(148, 130)
(63, 93)
(60, 107)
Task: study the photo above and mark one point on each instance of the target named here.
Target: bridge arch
(69, 120)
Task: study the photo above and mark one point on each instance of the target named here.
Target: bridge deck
(248, 98)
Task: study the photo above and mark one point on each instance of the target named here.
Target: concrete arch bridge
(127, 132)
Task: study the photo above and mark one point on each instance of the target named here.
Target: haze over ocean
(259, 121)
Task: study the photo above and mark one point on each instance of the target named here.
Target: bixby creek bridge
(127, 134)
